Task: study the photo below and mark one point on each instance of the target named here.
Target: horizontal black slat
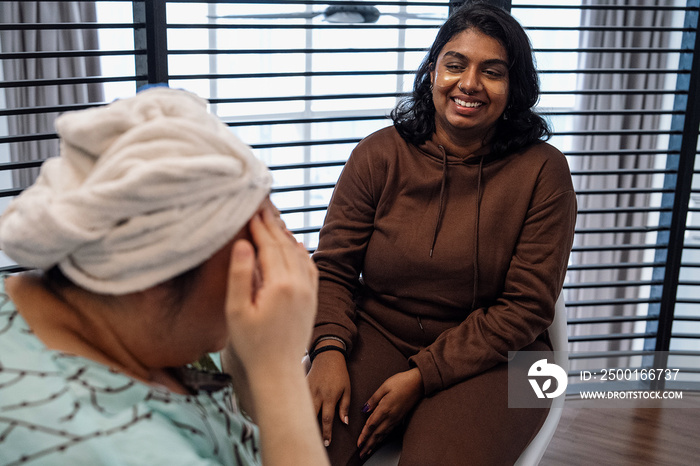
(394, 72)
(618, 191)
(629, 283)
(325, 26)
(307, 165)
(611, 302)
(283, 51)
(377, 3)
(612, 50)
(618, 247)
(304, 97)
(52, 109)
(299, 74)
(622, 171)
(682, 318)
(622, 132)
(304, 187)
(306, 143)
(608, 354)
(614, 91)
(69, 81)
(609, 320)
(644, 71)
(293, 121)
(301, 231)
(621, 152)
(640, 265)
(601, 7)
(623, 210)
(63, 26)
(20, 165)
(625, 112)
(26, 137)
(686, 336)
(611, 337)
(299, 210)
(12, 269)
(614, 29)
(10, 192)
(330, 51)
(68, 54)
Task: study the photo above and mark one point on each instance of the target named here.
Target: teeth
(468, 104)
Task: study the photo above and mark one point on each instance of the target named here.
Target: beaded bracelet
(323, 349)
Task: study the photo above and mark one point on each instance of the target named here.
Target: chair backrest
(558, 334)
(532, 455)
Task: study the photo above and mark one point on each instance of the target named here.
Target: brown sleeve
(343, 240)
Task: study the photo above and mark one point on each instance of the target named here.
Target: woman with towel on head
(154, 243)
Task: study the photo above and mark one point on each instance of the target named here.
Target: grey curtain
(618, 159)
(27, 95)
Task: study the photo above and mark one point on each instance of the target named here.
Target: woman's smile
(468, 104)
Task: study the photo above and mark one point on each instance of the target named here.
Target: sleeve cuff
(432, 380)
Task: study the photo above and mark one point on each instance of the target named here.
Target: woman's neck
(74, 321)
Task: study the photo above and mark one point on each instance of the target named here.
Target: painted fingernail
(326, 443)
(365, 408)
(346, 420)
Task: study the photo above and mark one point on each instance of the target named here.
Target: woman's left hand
(388, 406)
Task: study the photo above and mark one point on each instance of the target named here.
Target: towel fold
(144, 189)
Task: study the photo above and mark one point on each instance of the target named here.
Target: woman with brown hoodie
(444, 248)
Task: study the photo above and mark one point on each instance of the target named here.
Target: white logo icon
(542, 368)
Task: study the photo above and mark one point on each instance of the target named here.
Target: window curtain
(26, 94)
(620, 155)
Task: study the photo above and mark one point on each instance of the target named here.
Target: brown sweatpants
(466, 424)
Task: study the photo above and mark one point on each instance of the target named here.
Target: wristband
(323, 349)
(330, 337)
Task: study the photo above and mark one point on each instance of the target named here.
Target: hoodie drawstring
(438, 220)
(476, 233)
(442, 199)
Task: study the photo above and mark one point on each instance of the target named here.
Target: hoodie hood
(437, 152)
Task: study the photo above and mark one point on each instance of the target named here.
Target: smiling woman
(418, 346)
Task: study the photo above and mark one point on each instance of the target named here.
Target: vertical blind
(303, 81)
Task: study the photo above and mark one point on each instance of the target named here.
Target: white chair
(388, 455)
(532, 455)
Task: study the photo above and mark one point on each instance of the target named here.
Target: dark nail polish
(365, 408)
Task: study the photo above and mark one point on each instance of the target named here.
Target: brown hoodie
(461, 261)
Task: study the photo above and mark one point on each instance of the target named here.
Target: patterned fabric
(57, 409)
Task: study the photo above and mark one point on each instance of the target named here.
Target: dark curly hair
(520, 126)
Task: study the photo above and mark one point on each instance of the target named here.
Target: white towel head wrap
(145, 188)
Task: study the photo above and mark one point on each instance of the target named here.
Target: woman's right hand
(329, 382)
(270, 309)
